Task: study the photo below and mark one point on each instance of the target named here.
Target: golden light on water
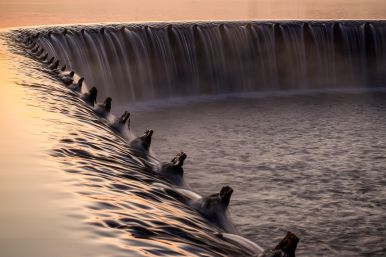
(34, 209)
(63, 167)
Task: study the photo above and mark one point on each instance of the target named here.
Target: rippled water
(310, 164)
(102, 190)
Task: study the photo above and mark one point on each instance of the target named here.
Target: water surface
(312, 164)
(71, 186)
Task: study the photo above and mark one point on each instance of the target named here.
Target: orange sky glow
(15, 13)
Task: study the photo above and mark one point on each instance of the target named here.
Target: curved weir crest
(156, 61)
(159, 61)
(122, 202)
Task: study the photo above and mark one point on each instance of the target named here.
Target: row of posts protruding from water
(156, 61)
(213, 207)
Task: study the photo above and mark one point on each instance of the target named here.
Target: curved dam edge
(105, 41)
(179, 235)
(149, 61)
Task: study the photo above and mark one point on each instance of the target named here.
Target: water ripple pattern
(118, 185)
(312, 164)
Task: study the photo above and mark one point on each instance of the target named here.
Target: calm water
(312, 164)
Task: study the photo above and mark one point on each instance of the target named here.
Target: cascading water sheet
(293, 162)
(158, 61)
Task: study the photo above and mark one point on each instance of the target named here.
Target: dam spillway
(310, 164)
(136, 62)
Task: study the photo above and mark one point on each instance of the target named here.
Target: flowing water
(313, 164)
(310, 160)
(73, 187)
(132, 62)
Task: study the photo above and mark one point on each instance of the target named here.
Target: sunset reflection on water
(70, 186)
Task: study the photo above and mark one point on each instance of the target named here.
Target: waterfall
(134, 62)
(322, 52)
(292, 62)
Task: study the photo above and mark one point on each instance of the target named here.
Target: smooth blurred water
(71, 186)
(40, 213)
(155, 61)
(312, 164)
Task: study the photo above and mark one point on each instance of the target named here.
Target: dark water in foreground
(310, 164)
